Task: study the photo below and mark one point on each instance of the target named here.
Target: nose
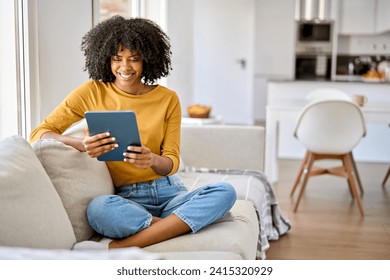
(125, 64)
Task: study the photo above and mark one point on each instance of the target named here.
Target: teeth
(125, 76)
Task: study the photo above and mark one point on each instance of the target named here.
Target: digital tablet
(120, 124)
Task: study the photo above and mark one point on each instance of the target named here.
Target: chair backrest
(330, 126)
(327, 93)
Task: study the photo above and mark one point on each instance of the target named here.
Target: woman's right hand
(99, 144)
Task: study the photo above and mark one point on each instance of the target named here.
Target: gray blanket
(250, 185)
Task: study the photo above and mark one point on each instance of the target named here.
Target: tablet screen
(120, 124)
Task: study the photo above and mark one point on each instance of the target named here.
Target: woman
(124, 58)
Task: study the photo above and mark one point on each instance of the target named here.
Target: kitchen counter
(358, 79)
(288, 89)
(285, 99)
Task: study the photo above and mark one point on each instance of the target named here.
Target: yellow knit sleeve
(69, 111)
(171, 143)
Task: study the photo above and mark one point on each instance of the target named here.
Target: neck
(134, 89)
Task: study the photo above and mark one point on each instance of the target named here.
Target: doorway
(223, 58)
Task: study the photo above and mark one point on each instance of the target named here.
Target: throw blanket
(250, 185)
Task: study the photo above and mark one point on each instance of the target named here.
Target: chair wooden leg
(300, 171)
(349, 167)
(350, 188)
(386, 177)
(311, 158)
(349, 182)
(355, 170)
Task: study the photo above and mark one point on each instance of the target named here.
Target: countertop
(359, 79)
(341, 78)
(293, 89)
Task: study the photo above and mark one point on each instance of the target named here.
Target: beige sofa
(45, 189)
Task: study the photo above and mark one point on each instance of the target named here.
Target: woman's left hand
(142, 157)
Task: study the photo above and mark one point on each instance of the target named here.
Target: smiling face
(126, 66)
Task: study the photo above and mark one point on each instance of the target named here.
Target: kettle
(384, 67)
(363, 64)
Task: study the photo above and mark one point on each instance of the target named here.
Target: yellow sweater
(158, 115)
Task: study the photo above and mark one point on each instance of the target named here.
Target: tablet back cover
(121, 124)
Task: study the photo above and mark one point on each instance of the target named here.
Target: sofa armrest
(223, 146)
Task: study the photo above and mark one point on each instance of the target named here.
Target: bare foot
(168, 228)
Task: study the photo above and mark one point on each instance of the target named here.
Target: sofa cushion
(200, 255)
(77, 179)
(31, 212)
(21, 253)
(238, 236)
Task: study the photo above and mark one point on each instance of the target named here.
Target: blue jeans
(131, 209)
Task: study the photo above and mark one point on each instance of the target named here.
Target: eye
(116, 58)
(134, 59)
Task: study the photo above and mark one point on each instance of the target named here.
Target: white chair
(326, 94)
(330, 129)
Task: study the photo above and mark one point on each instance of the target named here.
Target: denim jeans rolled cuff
(102, 214)
(207, 205)
(193, 227)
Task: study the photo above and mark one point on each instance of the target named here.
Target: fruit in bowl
(373, 75)
(199, 111)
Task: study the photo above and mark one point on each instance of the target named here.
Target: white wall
(60, 26)
(275, 38)
(156, 10)
(180, 27)
(274, 53)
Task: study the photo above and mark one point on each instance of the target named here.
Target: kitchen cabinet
(361, 17)
(383, 18)
(357, 17)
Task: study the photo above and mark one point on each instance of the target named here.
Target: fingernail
(116, 145)
(107, 133)
(124, 154)
(113, 139)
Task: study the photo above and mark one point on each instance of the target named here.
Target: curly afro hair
(142, 35)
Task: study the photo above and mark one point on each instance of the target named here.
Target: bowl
(199, 111)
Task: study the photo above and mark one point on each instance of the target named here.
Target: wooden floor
(328, 224)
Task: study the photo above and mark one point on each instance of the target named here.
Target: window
(8, 71)
(108, 8)
(15, 115)
(153, 9)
